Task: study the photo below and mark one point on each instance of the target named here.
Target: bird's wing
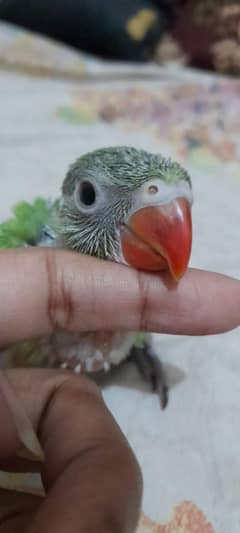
(30, 225)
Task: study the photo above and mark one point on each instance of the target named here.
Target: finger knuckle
(143, 291)
(60, 307)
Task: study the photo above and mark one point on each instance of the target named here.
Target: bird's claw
(150, 367)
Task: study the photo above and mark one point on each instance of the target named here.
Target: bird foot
(150, 368)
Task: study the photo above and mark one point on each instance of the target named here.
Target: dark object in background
(121, 29)
(206, 35)
(216, 25)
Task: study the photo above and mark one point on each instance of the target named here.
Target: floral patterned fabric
(206, 34)
(194, 119)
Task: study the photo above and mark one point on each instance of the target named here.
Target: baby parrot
(119, 204)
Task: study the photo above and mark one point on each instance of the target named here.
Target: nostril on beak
(153, 189)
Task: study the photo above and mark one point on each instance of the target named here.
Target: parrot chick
(132, 207)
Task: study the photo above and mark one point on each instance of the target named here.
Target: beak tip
(177, 277)
(178, 273)
(160, 238)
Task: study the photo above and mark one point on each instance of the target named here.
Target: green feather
(140, 340)
(124, 167)
(34, 353)
(25, 226)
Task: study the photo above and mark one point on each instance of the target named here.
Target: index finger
(41, 289)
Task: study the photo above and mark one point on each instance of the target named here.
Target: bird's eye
(87, 194)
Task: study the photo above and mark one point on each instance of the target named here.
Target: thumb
(91, 477)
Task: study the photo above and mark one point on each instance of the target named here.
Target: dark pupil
(87, 193)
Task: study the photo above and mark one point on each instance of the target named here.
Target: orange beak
(159, 238)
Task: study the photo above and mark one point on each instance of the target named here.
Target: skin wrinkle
(60, 308)
(143, 290)
(193, 307)
(60, 393)
(51, 287)
(143, 311)
(48, 403)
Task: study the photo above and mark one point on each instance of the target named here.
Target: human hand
(90, 475)
(46, 288)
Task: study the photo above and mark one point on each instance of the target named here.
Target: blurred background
(203, 33)
(162, 75)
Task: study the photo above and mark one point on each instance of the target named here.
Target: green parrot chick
(132, 207)
(129, 206)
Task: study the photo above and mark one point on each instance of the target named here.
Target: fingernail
(29, 445)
